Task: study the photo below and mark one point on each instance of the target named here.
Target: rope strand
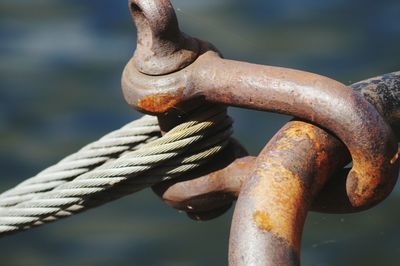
(94, 176)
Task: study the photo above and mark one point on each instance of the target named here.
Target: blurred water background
(60, 67)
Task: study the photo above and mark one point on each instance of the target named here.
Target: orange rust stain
(369, 178)
(294, 134)
(298, 129)
(280, 193)
(283, 145)
(294, 131)
(159, 103)
(262, 221)
(321, 159)
(305, 131)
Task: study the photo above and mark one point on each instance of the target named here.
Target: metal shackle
(305, 95)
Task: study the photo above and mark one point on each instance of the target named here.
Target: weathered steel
(273, 203)
(382, 91)
(172, 73)
(283, 182)
(161, 47)
(312, 97)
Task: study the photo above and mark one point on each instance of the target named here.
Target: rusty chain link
(300, 169)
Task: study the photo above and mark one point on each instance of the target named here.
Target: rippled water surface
(60, 68)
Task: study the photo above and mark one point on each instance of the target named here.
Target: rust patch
(279, 193)
(159, 103)
(298, 129)
(283, 145)
(366, 182)
(262, 221)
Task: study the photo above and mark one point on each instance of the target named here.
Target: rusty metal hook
(274, 201)
(312, 97)
(278, 188)
(222, 183)
(170, 72)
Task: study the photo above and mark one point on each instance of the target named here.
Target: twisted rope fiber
(86, 159)
(182, 149)
(133, 185)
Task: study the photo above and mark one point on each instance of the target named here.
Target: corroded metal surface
(273, 203)
(172, 73)
(309, 96)
(161, 47)
(384, 93)
(287, 177)
(332, 199)
(284, 182)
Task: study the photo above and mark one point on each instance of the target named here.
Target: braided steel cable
(180, 150)
(87, 158)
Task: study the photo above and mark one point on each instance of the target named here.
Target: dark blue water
(60, 68)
